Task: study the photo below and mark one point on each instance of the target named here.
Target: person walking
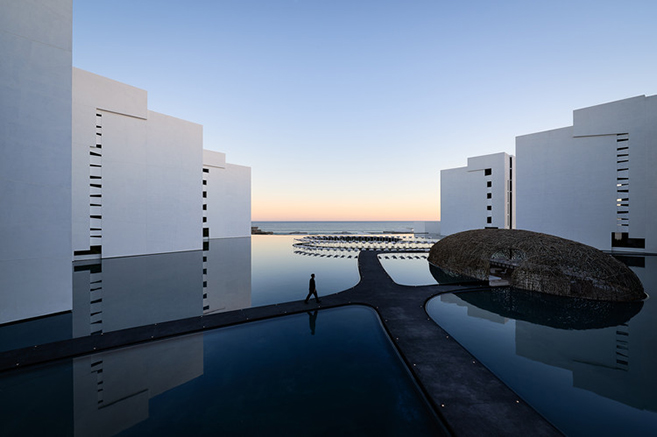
(312, 290)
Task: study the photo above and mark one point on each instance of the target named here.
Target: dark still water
(591, 369)
(327, 372)
(281, 275)
(230, 274)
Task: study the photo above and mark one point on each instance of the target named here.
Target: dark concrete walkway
(470, 399)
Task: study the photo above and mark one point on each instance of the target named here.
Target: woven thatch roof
(542, 263)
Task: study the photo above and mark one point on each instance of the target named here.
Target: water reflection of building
(120, 293)
(227, 274)
(472, 310)
(617, 362)
(112, 390)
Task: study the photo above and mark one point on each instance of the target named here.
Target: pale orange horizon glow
(345, 210)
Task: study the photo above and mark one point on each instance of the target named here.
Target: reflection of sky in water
(230, 274)
(586, 381)
(280, 275)
(273, 377)
(407, 271)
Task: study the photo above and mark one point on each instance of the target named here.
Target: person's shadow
(312, 320)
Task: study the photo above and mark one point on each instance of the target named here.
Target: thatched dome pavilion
(537, 262)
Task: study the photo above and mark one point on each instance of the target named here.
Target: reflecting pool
(281, 275)
(328, 372)
(408, 268)
(228, 274)
(589, 368)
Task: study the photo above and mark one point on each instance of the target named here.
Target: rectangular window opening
(622, 239)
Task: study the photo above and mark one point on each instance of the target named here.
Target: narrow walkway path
(471, 400)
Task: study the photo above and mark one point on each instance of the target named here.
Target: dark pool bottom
(328, 372)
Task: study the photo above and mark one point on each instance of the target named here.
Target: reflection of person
(312, 319)
(312, 290)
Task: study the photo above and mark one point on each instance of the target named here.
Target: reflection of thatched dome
(554, 311)
(542, 263)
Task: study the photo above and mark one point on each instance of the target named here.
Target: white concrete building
(481, 195)
(226, 197)
(136, 173)
(594, 182)
(35, 159)
(142, 182)
(86, 170)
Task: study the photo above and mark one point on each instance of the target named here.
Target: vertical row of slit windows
(206, 229)
(622, 183)
(95, 192)
(510, 195)
(96, 186)
(621, 238)
(489, 197)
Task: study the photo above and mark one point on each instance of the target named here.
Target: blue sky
(349, 109)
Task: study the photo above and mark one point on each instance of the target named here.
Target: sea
(335, 227)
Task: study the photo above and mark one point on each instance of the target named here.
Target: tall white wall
(562, 186)
(150, 168)
(569, 178)
(35, 158)
(228, 197)
(464, 195)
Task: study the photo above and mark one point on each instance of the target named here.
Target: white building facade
(594, 182)
(481, 195)
(136, 173)
(142, 182)
(226, 197)
(88, 172)
(35, 159)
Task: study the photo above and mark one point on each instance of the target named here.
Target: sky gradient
(349, 109)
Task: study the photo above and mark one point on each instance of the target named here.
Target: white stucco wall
(228, 197)
(464, 195)
(568, 177)
(151, 182)
(35, 158)
(562, 188)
